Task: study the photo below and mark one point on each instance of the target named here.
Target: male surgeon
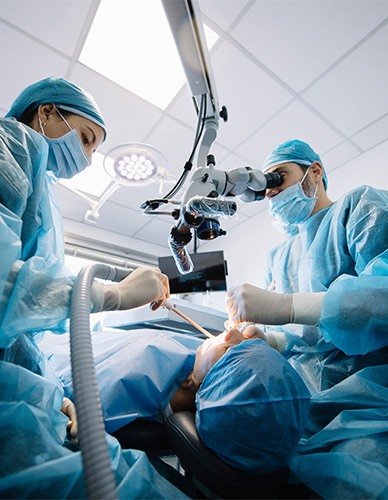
(327, 313)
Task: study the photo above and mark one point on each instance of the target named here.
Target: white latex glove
(142, 286)
(249, 303)
(277, 340)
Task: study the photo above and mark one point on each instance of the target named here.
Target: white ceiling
(316, 70)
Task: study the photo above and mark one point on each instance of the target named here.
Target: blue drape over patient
(138, 371)
(341, 250)
(35, 289)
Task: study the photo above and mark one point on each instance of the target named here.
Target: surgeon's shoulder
(20, 133)
(364, 194)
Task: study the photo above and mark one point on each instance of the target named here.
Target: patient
(251, 405)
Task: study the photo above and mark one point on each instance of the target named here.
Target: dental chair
(212, 477)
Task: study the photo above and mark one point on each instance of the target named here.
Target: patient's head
(252, 407)
(206, 356)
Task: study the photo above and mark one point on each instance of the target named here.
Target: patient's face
(212, 350)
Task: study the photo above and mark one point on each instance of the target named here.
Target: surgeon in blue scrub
(51, 132)
(326, 310)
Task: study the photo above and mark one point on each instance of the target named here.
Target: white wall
(245, 249)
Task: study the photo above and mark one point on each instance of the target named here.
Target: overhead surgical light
(128, 165)
(136, 164)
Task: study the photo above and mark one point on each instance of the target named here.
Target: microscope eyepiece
(274, 179)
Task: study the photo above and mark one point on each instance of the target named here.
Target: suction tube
(99, 477)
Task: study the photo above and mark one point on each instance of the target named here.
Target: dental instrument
(169, 305)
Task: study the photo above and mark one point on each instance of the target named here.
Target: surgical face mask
(285, 228)
(67, 156)
(292, 206)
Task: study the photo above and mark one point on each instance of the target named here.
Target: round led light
(135, 164)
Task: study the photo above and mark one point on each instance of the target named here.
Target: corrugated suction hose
(98, 474)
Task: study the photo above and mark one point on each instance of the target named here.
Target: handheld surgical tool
(168, 305)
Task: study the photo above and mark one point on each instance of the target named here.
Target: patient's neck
(184, 398)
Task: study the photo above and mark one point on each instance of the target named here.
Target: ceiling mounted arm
(184, 17)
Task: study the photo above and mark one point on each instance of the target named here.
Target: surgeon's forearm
(307, 308)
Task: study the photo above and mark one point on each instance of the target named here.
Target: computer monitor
(209, 273)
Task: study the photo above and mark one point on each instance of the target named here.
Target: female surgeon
(50, 132)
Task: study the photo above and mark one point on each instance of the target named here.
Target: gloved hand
(277, 340)
(249, 303)
(142, 286)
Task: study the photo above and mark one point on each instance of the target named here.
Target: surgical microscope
(208, 196)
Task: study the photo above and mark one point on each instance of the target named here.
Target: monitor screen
(209, 273)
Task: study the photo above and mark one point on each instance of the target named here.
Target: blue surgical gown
(34, 297)
(341, 250)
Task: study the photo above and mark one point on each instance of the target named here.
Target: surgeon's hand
(68, 409)
(247, 303)
(144, 285)
(277, 340)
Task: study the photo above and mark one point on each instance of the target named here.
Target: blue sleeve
(367, 226)
(35, 287)
(355, 309)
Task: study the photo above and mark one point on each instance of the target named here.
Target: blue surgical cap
(296, 152)
(62, 93)
(252, 408)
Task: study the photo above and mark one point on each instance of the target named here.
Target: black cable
(202, 122)
(198, 134)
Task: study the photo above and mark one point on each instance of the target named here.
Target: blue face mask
(67, 156)
(292, 206)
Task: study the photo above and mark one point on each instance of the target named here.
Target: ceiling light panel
(130, 42)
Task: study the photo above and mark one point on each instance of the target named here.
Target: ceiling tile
(299, 39)
(156, 231)
(113, 217)
(222, 13)
(368, 169)
(57, 23)
(230, 161)
(127, 116)
(26, 62)
(339, 155)
(294, 122)
(120, 219)
(133, 197)
(355, 93)
(71, 204)
(175, 141)
(372, 135)
(79, 230)
(250, 96)
(182, 107)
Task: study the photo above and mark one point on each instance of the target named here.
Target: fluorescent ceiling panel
(93, 180)
(130, 42)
